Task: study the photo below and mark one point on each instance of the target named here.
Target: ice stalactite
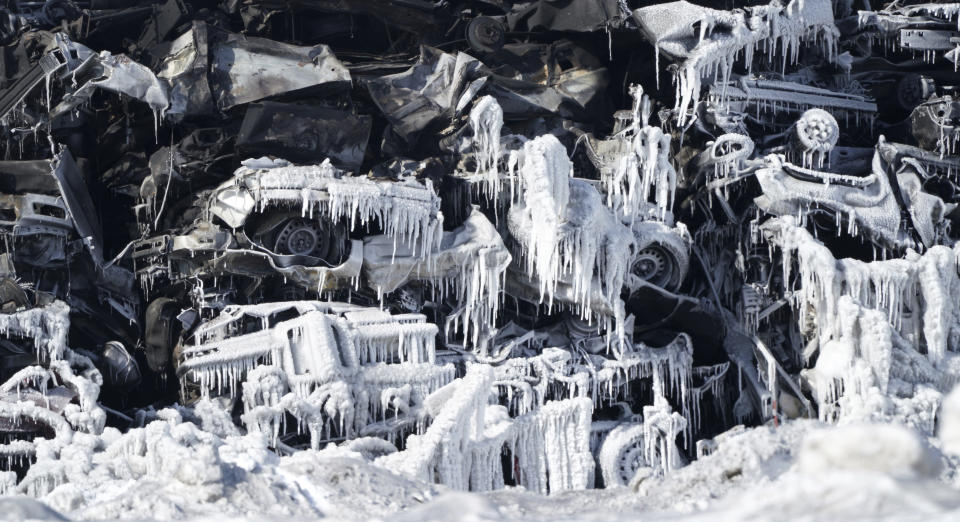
(464, 445)
(486, 119)
(645, 168)
(21, 413)
(771, 98)
(865, 316)
(479, 290)
(8, 482)
(713, 383)
(949, 137)
(263, 389)
(400, 207)
(671, 370)
(226, 366)
(813, 136)
(421, 379)
(545, 176)
(855, 364)
(948, 11)
(47, 326)
(567, 235)
(661, 426)
(329, 367)
(442, 454)
(410, 342)
(889, 286)
(552, 447)
(408, 210)
(328, 405)
(470, 265)
(728, 154)
(29, 403)
(769, 28)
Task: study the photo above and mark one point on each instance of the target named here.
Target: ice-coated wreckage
(553, 244)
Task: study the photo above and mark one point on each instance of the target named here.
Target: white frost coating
(486, 119)
(442, 453)
(463, 446)
(566, 233)
(407, 209)
(47, 326)
(622, 451)
(645, 167)
(885, 285)
(871, 360)
(26, 395)
(661, 425)
(328, 364)
(756, 96)
(470, 264)
(772, 28)
(866, 203)
(814, 136)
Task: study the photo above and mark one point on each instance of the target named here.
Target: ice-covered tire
(621, 454)
(663, 256)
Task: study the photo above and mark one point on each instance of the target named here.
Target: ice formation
(470, 264)
(861, 314)
(772, 28)
(452, 286)
(336, 368)
(646, 170)
(58, 398)
(567, 235)
(47, 326)
(408, 211)
(486, 118)
(463, 446)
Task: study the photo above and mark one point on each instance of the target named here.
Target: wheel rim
(302, 237)
(630, 461)
(654, 265)
(485, 34)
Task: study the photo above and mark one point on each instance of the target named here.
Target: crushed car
(550, 244)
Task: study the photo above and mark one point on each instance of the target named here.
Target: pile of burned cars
(552, 244)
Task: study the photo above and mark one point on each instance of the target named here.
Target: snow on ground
(801, 470)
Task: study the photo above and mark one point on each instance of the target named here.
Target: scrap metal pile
(559, 244)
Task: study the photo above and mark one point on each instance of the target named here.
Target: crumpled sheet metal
(305, 134)
(387, 268)
(115, 73)
(451, 179)
(208, 68)
(867, 203)
(439, 84)
(238, 73)
(566, 15)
